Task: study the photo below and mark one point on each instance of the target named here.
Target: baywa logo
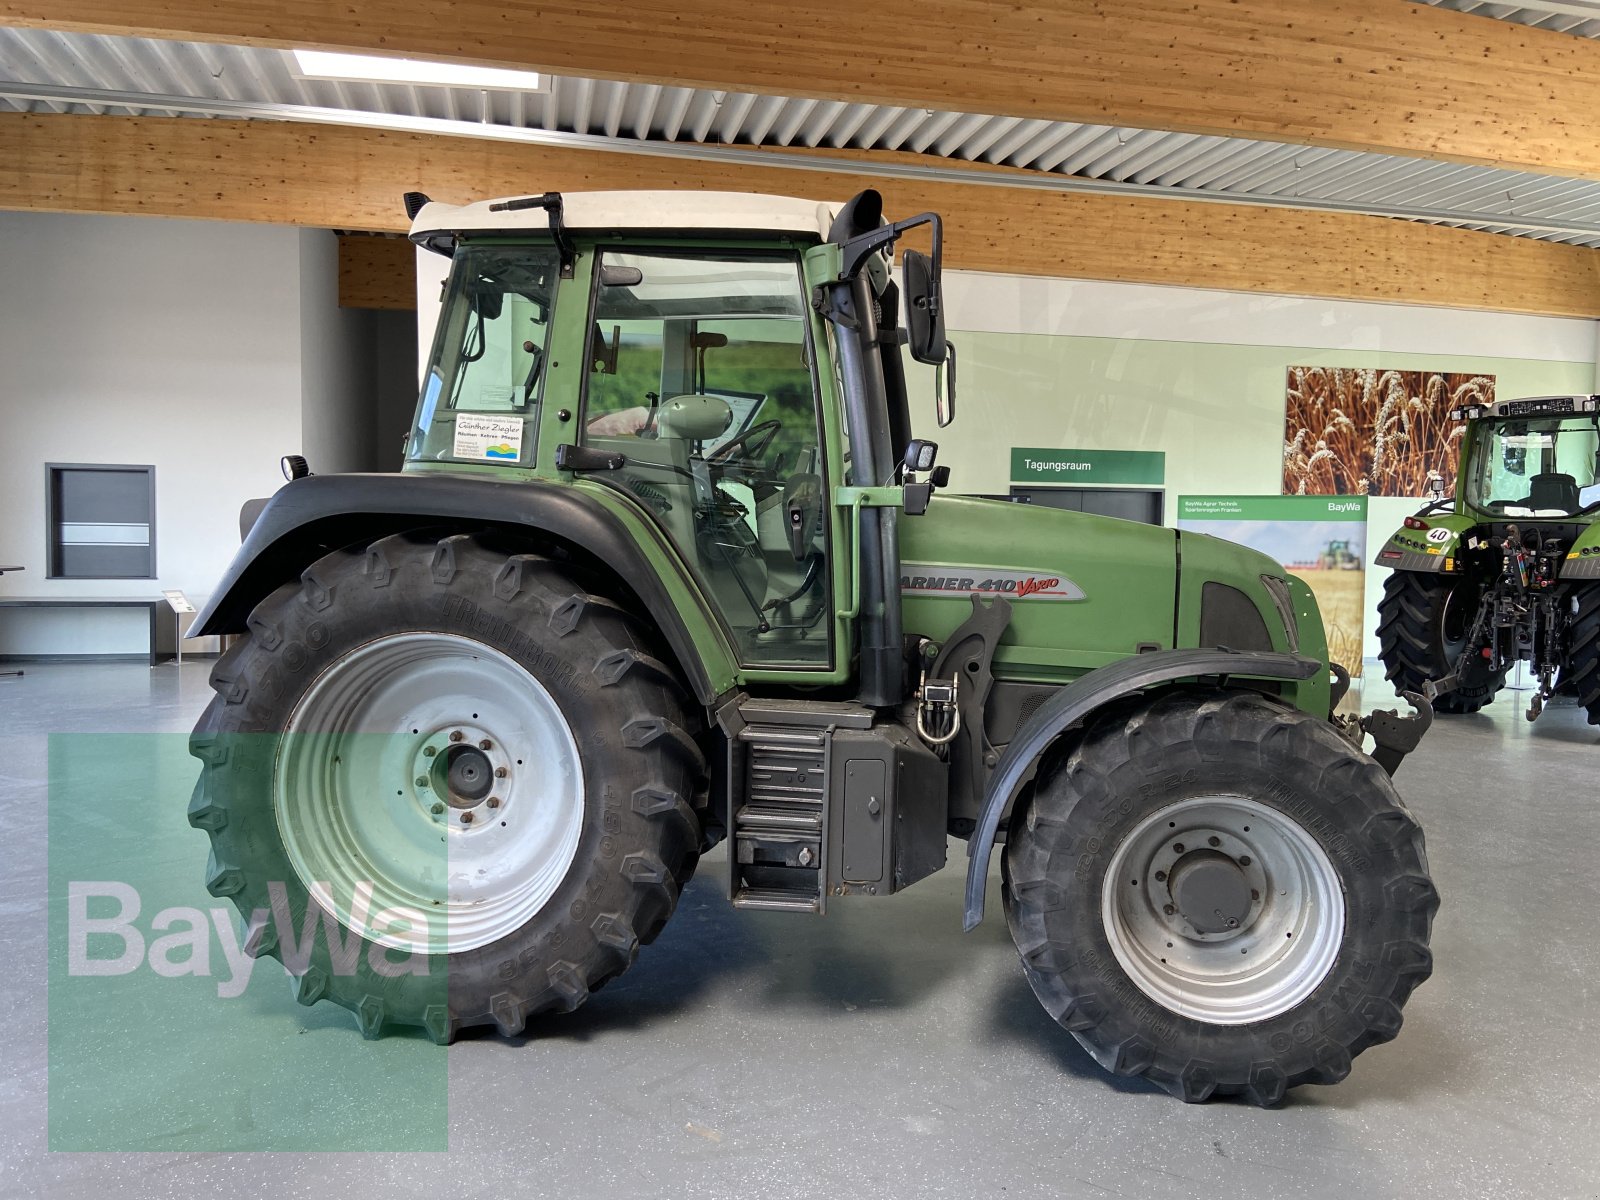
(182, 941)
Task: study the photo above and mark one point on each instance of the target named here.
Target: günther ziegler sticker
(488, 439)
(924, 579)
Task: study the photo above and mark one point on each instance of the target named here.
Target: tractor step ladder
(782, 767)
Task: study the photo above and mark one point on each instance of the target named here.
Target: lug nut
(428, 752)
(486, 744)
(456, 735)
(1177, 848)
(466, 818)
(1168, 909)
(1161, 876)
(422, 781)
(501, 772)
(437, 810)
(1244, 860)
(1254, 895)
(494, 801)
(1213, 841)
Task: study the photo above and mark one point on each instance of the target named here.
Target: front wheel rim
(429, 793)
(1223, 909)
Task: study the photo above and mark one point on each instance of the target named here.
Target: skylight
(374, 68)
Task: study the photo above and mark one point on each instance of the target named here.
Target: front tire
(1423, 622)
(1220, 895)
(446, 785)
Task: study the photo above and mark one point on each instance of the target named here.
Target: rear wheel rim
(1263, 871)
(429, 793)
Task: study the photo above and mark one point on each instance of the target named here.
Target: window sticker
(487, 439)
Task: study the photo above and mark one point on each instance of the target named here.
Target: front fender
(310, 516)
(1081, 698)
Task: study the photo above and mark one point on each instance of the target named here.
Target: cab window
(701, 376)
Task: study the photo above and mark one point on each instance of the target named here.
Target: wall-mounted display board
(1366, 431)
(1069, 466)
(1320, 539)
(100, 521)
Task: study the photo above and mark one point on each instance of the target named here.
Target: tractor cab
(698, 372)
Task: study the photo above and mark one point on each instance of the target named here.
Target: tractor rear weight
(668, 565)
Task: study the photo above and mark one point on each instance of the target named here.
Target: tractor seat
(1552, 491)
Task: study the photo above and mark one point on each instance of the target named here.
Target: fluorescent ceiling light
(375, 68)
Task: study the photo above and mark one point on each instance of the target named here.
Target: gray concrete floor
(879, 1051)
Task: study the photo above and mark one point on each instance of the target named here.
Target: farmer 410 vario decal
(938, 579)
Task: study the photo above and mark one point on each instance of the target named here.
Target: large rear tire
(1423, 622)
(1583, 650)
(1220, 895)
(446, 785)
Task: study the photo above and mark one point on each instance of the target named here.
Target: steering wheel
(752, 443)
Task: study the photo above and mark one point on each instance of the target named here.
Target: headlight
(1283, 601)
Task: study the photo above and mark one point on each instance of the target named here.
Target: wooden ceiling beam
(338, 178)
(1381, 75)
(377, 272)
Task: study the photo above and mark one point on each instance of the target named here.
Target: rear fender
(309, 517)
(1430, 550)
(1078, 701)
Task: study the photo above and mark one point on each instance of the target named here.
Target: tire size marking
(1288, 799)
(467, 615)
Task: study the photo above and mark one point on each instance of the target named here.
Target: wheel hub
(1223, 909)
(466, 774)
(1210, 891)
(406, 797)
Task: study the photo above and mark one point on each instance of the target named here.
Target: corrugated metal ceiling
(1066, 154)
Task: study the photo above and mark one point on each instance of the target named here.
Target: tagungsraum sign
(1073, 467)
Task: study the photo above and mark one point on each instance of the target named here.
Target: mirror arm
(551, 203)
(858, 249)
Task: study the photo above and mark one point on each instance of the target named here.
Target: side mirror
(944, 387)
(924, 308)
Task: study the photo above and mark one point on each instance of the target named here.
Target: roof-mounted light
(378, 68)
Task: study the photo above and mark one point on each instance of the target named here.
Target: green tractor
(1509, 570)
(666, 566)
(1337, 556)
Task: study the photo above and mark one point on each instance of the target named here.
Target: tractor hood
(1085, 590)
(1089, 590)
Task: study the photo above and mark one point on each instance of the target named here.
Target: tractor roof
(1530, 406)
(678, 212)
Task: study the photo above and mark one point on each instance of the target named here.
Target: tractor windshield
(484, 379)
(1539, 467)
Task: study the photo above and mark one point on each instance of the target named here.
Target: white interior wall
(208, 350)
(338, 400)
(142, 341)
